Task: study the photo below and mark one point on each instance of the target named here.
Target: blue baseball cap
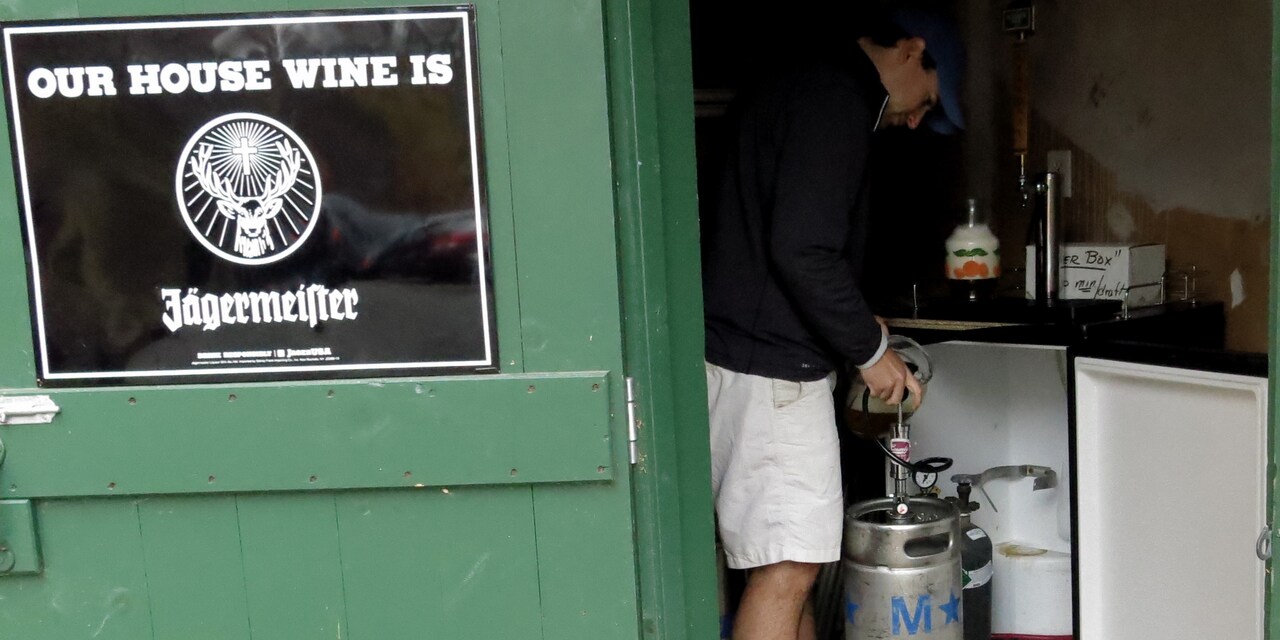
(943, 44)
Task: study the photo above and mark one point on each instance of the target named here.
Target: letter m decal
(901, 617)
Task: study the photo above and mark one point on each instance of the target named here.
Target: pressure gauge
(924, 479)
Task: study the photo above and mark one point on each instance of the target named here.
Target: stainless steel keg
(902, 576)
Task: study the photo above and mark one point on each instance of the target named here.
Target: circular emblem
(248, 188)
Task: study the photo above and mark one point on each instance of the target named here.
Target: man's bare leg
(774, 605)
(808, 628)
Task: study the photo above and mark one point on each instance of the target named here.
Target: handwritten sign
(1107, 272)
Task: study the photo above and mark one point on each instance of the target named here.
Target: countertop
(1067, 323)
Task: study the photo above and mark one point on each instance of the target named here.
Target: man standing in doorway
(783, 305)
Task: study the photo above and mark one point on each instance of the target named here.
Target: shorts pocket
(785, 392)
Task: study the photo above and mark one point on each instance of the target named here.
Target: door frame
(652, 101)
(649, 58)
(1272, 605)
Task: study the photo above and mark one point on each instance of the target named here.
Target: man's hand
(889, 376)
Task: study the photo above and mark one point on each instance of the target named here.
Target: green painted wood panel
(453, 559)
(502, 235)
(99, 8)
(564, 209)
(17, 355)
(292, 566)
(391, 433)
(94, 583)
(652, 87)
(37, 9)
(21, 548)
(195, 571)
(227, 6)
(449, 563)
(305, 5)
(431, 564)
(558, 132)
(586, 562)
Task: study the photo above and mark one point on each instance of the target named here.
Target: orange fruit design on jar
(973, 269)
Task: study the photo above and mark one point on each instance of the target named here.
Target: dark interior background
(917, 176)
(917, 193)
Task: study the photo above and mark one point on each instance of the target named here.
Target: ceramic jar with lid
(973, 255)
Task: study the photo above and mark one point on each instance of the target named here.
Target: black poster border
(491, 365)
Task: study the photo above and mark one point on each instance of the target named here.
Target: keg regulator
(924, 474)
(895, 442)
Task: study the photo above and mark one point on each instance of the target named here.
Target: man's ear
(911, 48)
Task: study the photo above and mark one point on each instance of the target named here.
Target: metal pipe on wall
(1049, 239)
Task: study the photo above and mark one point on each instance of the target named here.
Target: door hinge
(27, 410)
(633, 428)
(1263, 548)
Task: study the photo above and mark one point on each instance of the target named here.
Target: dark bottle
(975, 560)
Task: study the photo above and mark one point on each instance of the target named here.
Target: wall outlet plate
(1059, 162)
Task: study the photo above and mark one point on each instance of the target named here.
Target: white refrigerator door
(1171, 499)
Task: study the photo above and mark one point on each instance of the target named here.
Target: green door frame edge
(651, 98)
(1272, 622)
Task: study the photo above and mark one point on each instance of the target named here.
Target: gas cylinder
(975, 560)
(902, 575)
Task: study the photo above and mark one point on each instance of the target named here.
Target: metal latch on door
(27, 410)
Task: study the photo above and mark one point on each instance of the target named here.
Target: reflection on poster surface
(252, 198)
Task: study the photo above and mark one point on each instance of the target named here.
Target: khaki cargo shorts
(775, 468)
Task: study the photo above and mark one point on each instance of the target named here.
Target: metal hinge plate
(27, 410)
(633, 427)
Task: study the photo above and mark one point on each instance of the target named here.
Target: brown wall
(1165, 105)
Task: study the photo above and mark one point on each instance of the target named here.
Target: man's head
(920, 59)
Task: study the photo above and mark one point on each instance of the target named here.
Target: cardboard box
(1106, 272)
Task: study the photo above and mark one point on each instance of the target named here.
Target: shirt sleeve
(825, 138)
(884, 346)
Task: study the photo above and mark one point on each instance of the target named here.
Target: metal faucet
(1048, 240)
(1045, 478)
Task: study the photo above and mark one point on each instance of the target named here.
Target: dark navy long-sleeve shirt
(783, 252)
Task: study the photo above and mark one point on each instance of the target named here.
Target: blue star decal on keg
(952, 609)
(850, 611)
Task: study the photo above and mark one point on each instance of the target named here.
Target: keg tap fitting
(900, 446)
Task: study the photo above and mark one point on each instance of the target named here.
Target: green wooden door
(488, 506)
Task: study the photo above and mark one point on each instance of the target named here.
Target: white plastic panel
(992, 405)
(995, 405)
(1171, 471)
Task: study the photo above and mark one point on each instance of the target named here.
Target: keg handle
(1046, 478)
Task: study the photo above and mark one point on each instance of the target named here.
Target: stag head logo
(248, 188)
